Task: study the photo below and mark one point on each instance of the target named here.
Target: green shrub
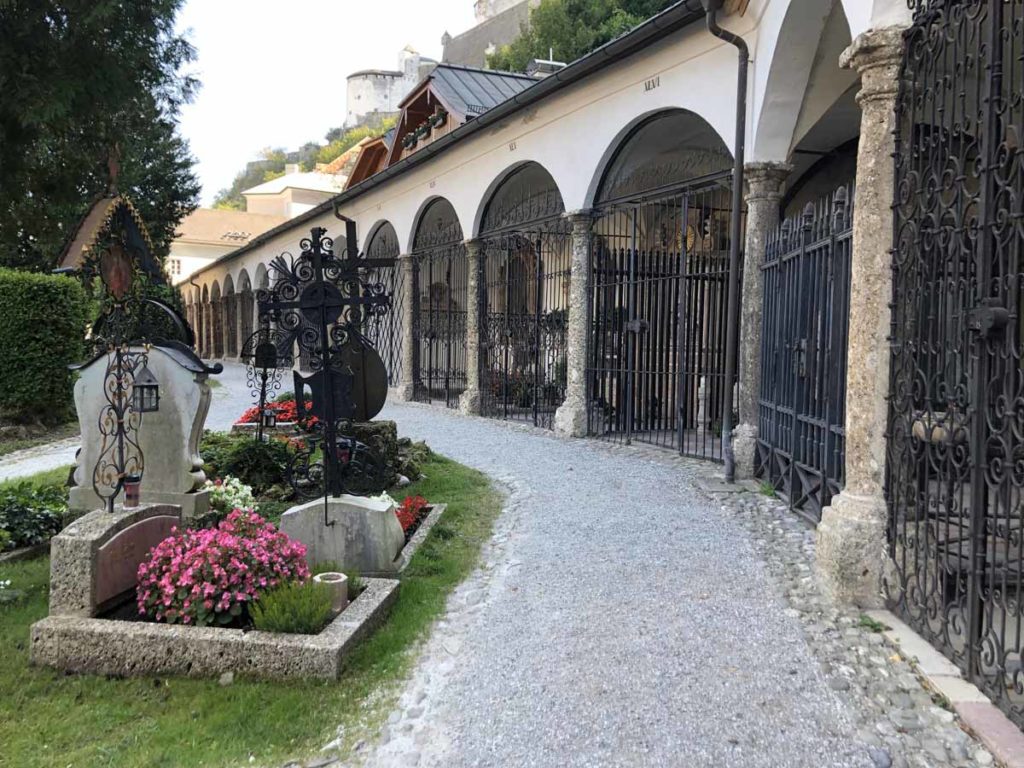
(260, 465)
(42, 321)
(284, 397)
(31, 514)
(215, 448)
(5, 540)
(301, 609)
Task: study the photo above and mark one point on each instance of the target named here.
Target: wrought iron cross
(321, 302)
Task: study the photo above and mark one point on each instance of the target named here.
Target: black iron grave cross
(321, 303)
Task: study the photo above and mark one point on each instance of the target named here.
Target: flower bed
(212, 576)
(287, 411)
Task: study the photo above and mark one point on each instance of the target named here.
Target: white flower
(5, 584)
(385, 497)
(230, 493)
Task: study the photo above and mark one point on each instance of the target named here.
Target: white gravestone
(169, 438)
(361, 534)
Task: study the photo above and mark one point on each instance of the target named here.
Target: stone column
(406, 390)
(851, 536)
(469, 401)
(764, 191)
(571, 416)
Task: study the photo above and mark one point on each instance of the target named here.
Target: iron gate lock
(988, 318)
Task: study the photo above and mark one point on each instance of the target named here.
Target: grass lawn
(51, 719)
(61, 431)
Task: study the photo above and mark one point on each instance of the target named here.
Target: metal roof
(469, 91)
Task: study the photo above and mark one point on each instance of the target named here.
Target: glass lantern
(145, 391)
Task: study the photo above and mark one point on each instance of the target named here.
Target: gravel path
(620, 618)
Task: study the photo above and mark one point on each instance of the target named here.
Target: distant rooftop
(214, 226)
(313, 180)
(471, 91)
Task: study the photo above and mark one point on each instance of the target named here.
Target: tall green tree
(77, 78)
(568, 29)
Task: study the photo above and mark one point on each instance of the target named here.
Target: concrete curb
(978, 715)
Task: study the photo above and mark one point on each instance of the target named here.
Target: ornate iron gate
(526, 253)
(804, 322)
(385, 330)
(440, 291)
(955, 480)
(659, 272)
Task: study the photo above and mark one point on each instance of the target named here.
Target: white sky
(273, 71)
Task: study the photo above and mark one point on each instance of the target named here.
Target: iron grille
(385, 330)
(955, 470)
(440, 293)
(658, 289)
(805, 317)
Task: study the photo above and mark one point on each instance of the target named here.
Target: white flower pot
(338, 584)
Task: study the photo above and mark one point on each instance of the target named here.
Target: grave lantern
(269, 418)
(145, 391)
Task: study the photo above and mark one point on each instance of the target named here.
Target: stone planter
(134, 649)
(436, 510)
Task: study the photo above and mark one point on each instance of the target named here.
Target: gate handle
(988, 318)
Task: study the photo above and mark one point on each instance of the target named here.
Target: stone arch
(659, 129)
(262, 281)
(538, 176)
(434, 209)
(246, 308)
(383, 239)
(216, 341)
(627, 139)
(803, 82)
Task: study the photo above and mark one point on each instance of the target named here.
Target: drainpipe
(711, 9)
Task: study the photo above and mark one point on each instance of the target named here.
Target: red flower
(409, 512)
(287, 412)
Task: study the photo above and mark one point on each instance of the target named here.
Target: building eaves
(676, 17)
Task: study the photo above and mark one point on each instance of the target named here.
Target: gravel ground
(619, 619)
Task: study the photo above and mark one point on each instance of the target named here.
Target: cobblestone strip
(897, 718)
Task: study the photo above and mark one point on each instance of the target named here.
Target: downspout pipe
(711, 9)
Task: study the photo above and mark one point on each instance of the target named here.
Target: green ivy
(42, 326)
(30, 514)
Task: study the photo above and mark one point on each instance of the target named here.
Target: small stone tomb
(358, 534)
(94, 565)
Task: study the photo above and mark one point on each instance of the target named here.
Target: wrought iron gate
(440, 275)
(955, 480)
(526, 248)
(231, 310)
(385, 330)
(659, 283)
(804, 322)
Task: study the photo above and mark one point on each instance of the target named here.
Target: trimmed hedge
(42, 331)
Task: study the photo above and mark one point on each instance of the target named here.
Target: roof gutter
(680, 15)
(732, 330)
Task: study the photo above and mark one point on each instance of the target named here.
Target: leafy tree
(344, 142)
(569, 29)
(271, 162)
(269, 166)
(79, 77)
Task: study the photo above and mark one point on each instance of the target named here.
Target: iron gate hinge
(988, 318)
(637, 325)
